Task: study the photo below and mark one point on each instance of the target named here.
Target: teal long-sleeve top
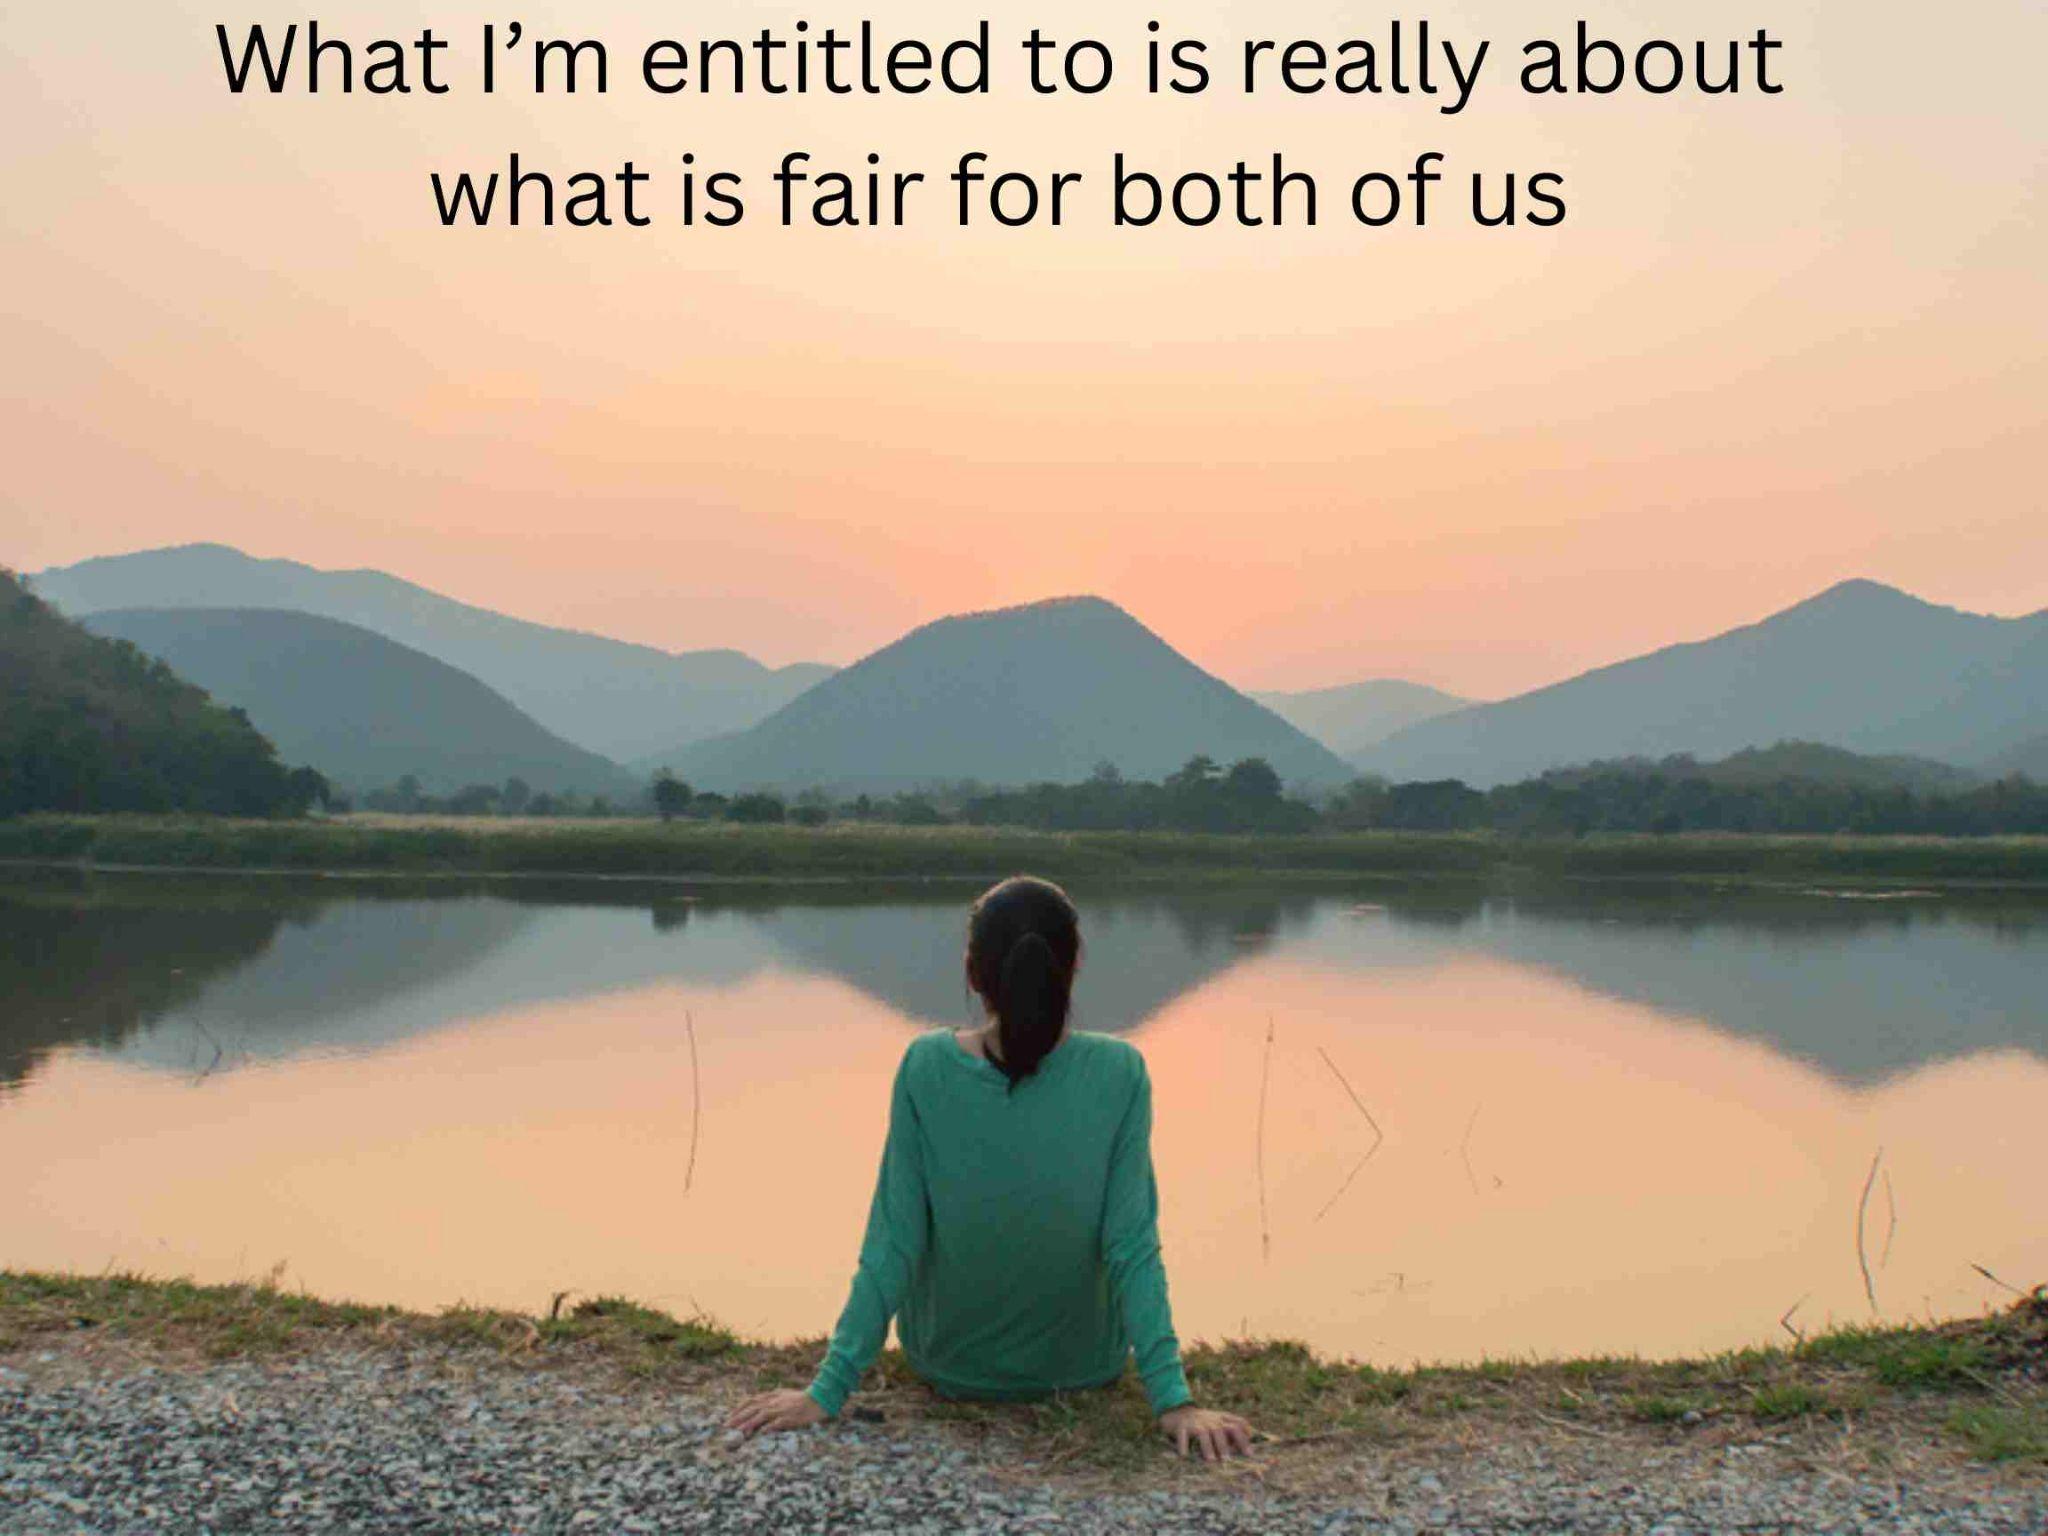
(1014, 1236)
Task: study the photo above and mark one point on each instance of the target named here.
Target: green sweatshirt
(1014, 1236)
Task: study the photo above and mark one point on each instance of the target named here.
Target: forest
(91, 724)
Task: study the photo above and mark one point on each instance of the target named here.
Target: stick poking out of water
(1891, 1221)
(208, 1070)
(696, 1102)
(1259, 1152)
(1862, 1212)
(1996, 1281)
(1378, 1136)
(1465, 1150)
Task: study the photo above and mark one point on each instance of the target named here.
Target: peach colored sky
(1778, 342)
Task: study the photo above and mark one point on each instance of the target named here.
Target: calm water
(1611, 1119)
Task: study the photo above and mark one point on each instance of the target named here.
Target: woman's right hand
(770, 1411)
(1216, 1434)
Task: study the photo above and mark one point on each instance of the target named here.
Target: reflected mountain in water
(73, 978)
(1141, 952)
(196, 975)
(1862, 988)
(309, 969)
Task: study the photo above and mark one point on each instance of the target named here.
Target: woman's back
(1014, 1235)
(1018, 1185)
(1014, 1232)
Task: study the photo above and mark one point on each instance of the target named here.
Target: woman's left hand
(787, 1409)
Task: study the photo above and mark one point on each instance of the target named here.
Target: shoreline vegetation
(1978, 1385)
(725, 852)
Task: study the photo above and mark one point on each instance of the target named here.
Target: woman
(1014, 1234)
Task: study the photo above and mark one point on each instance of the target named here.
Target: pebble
(347, 1444)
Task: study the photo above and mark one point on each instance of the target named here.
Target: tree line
(1672, 796)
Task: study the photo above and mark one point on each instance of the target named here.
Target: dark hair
(1023, 941)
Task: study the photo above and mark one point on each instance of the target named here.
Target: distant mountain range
(1862, 666)
(362, 709)
(1039, 693)
(1047, 692)
(1354, 716)
(607, 696)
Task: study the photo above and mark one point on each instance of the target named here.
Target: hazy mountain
(1814, 763)
(1021, 695)
(1353, 716)
(1860, 666)
(362, 709)
(89, 724)
(2029, 759)
(608, 696)
(1802, 761)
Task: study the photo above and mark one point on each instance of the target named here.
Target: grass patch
(1905, 1358)
(2004, 1432)
(221, 1320)
(1788, 1400)
(1655, 1408)
(615, 1321)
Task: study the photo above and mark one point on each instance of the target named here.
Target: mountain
(1021, 695)
(1353, 716)
(362, 709)
(1788, 762)
(2029, 759)
(1808, 762)
(1861, 666)
(90, 724)
(608, 696)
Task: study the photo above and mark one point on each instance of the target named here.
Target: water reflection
(76, 974)
(1615, 1118)
(205, 975)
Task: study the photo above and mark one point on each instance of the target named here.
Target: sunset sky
(1778, 341)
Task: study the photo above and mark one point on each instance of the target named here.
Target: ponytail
(1023, 941)
(1032, 995)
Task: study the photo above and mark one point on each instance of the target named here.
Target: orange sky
(1779, 341)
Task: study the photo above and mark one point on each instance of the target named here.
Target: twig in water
(1465, 1150)
(1356, 1168)
(1259, 1152)
(1378, 1135)
(696, 1102)
(1996, 1281)
(1891, 1221)
(1862, 1210)
(1785, 1322)
(208, 1070)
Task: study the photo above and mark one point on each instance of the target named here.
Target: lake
(1397, 1122)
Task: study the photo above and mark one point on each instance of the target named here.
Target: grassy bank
(1980, 1385)
(687, 850)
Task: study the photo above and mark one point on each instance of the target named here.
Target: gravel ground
(376, 1442)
